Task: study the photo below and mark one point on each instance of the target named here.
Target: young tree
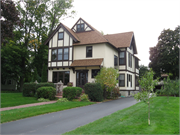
(148, 84)
(107, 78)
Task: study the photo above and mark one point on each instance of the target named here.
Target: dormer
(81, 26)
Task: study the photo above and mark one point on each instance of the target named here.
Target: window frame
(62, 37)
(122, 80)
(93, 76)
(57, 72)
(81, 29)
(87, 52)
(52, 55)
(122, 58)
(58, 54)
(129, 59)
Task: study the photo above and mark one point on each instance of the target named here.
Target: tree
(142, 70)
(164, 56)
(9, 18)
(44, 74)
(35, 76)
(148, 84)
(107, 77)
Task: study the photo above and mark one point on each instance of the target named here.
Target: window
(121, 80)
(137, 80)
(66, 53)
(63, 76)
(60, 54)
(61, 36)
(54, 54)
(136, 63)
(122, 58)
(115, 60)
(130, 60)
(129, 79)
(80, 27)
(89, 51)
(95, 72)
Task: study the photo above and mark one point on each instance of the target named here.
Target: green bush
(43, 100)
(45, 84)
(46, 92)
(29, 89)
(71, 92)
(84, 97)
(62, 100)
(94, 91)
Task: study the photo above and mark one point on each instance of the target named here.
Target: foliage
(44, 74)
(107, 78)
(62, 100)
(35, 76)
(29, 89)
(9, 19)
(142, 70)
(78, 91)
(147, 84)
(164, 56)
(44, 85)
(84, 97)
(70, 84)
(43, 100)
(115, 92)
(94, 91)
(71, 92)
(46, 92)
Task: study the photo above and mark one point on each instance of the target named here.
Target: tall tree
(142, 70)
(164, 56)
(9, 18)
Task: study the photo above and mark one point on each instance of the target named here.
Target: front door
(81, 78)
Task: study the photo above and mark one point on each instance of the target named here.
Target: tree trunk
(21, 83)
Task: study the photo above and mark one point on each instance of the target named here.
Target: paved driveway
(67, 120)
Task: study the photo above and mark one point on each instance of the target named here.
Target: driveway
(67, 120)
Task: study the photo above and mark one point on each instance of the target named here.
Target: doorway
(81, 78)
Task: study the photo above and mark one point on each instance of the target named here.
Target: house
(8, 84)
(77, 55)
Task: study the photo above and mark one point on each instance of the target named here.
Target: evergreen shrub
(71, 92)
(47, 92)
(94, 91)
(29, 89)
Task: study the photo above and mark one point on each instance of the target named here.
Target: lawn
(16, 114)
(15, 99)
(134, 120)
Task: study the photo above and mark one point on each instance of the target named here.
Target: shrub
(70, 84)
(29, 89)
(115, 92)
(46, 92)
(71, 92)
(43, 100)
(94, 91)
(84, 97)
(62, 100)
(45, 84)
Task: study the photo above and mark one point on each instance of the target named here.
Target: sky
(146, 18)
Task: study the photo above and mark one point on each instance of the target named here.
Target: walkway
(67, 120)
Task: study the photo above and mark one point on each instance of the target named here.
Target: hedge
(29, 89)
(94, 91)
(47, 92)
(71, 92)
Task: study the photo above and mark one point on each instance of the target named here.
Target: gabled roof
(69, 31)
(87, 62)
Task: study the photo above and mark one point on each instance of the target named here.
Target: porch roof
(87, 62)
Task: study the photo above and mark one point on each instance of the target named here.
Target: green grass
(15, 99)
(16, 114)
(134, 120)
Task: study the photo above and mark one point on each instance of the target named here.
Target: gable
(133, 45)
(81, 26)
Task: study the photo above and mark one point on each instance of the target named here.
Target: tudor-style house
(76, 55)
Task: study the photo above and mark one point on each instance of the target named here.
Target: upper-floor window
(60, 54)
(80, 27)
(115, 60)
(136, 63)
(121, 80)
(122, 58)
(89, 51)
(130, 60)
(95, 72)
(61, 35)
